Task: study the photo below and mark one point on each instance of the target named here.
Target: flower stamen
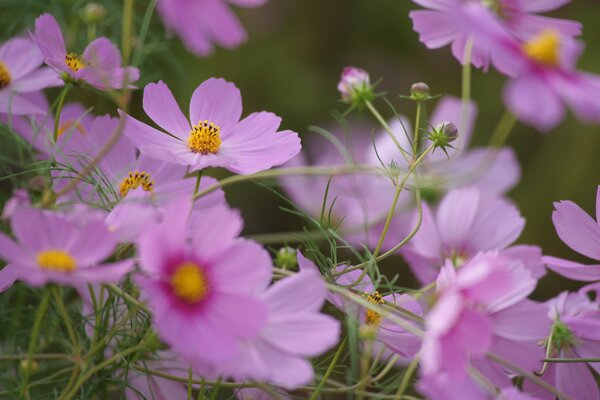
(5, 76)
(68, 125)
(372, 317)
(74, 62)
(205, 138)
(544, 48)
(189, 282)
(134, 180)
(56, 260)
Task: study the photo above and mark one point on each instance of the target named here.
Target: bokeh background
(291, 65)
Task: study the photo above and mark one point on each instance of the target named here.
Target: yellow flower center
(544, 48)
(372, 317)
(56, 260)
(74, 61)
(205, 138)
(68, 126)
(189, 282)
(5, 76)
(134, 180)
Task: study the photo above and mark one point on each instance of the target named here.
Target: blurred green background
(291, 65)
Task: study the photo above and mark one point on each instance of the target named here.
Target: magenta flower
(479, 309)
(67, 249)
(21, 72)
(201, 282)
(214, 135)
(98, 66)
(576, 334)
(444, 23)
(295, 330)
(202, 23)
(581, 233)
(355, 85)
(464, 224)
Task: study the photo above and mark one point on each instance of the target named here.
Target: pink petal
(162, 108)
(218, 101)
(49, 38)
(577, 229)
(573, 270)
(21, 56)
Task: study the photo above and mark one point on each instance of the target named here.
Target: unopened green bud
(286, 258)
(93, 13)
(419, 91)
(29, 366)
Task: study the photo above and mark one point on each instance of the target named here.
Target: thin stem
(571, 360)
(127, 25)
(329, 370)
(503, 129)
(215, 390)
(61, 103)
(466, 85)
(67, 321)
(35, 332)
(407, 375)
(417, 128)
(198, 179)
(387, 128)
(189, 386)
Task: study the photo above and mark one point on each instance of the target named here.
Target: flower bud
(286, 258)
(449, 130)
(29, 366)
(93, 12)
(443, 134)
(355, 86)
(419, 91)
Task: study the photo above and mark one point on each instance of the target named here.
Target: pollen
(205, 138)
(5, 77)
(189, 282)
(134, 180)
(68, 126)
(372, 317)
(74, 61)
(544, 48)
(56, 260)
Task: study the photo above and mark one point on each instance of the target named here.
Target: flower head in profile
(581, 232)
(575, 334)
(355, 86)
(213, 136)
(478, 310)
(201, 281)
(99, 65)
(21, 72)
(294, 331)
(64, 248)
(444, 23)
(203, 23)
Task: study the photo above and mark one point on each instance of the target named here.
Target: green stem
(571, 360)
(466, 85)
(407, 375)
(215, 390)
(143, 33)
(127, 24)
(387, 128)
(35, 332)
(332, 365)
(198, 179)
(417, 128)
(61, 103)
(189, 386)
(503, 129)
(67, 321)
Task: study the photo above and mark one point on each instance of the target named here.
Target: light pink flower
(63, 248)
(353, 82)
(581, 233)
(98, 66)
(201, 281)
(214, 136)
(202, 23)
(21, 73)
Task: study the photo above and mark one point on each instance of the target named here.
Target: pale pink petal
(162, 108)
(217, 101)
(577, 229)
(573, 270)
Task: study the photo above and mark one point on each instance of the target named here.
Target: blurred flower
(581, 233)
(444, 22)
(465, 223)
(20, 198)
(479, 309)
(201, 23)
(575, 334)
(214, 135)
(61, 248)
(201, 282)
(21, 73)
(98, 66)
(355, 86)
(295, 330)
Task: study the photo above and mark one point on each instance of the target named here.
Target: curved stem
(387, 128)
(61, 103)
(503, 129)
(332, 365)
(407, 375)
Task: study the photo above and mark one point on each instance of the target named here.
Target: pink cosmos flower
(544, 79)
(67, 249)
(353, 82)
(201, 281)
(581, 233)
(20, 198)
(443, 23)
(21, 73)
(481, 308)
(464, 224)
(576, 334)
(295, 330)
(98, 66)
(214, 135)
(201, 23)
